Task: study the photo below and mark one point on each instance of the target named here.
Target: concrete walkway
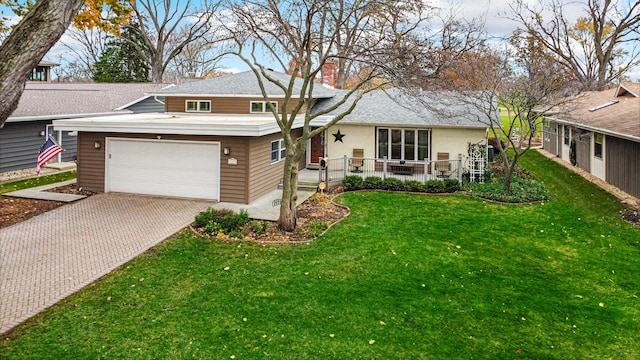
(53, 255)
(264, 208)
(39, 193)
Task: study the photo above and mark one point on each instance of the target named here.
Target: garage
(189, 169)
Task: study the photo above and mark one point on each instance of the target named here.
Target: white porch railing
(335, 170)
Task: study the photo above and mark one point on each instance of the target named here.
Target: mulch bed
(14, 210)
(319, 208)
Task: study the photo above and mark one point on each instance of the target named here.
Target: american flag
(47, 152)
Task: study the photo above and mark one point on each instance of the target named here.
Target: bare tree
(522, 79)
(168, 27)
(86, 45)
(597, 47)
(301, 36)
(27, 44)
(197, 59)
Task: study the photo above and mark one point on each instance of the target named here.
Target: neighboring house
(42, 72)
(218, 140)
(42, 102)
(600, 133)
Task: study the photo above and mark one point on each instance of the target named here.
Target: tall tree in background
(167, 27)
(302, 37)
(522, 78)
(86, 46)
(121, 61)
(197, 59)
(29, 41)
(597, 47)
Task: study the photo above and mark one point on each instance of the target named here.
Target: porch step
(304, 185)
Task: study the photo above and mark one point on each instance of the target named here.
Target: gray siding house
(599, 132)
(44, 101)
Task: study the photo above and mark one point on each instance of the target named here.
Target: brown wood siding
(265, 176)
(91, 161)
(224, 105)
(623, 164)
(233, 178)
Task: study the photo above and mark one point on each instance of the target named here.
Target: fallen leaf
(382, 323)
(371, 342)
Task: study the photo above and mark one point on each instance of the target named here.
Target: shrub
(217, 222)
(211, 215)
(451, 185)
(372, 182)
(522, 190)
(393, 184)
(434, 186)
(413, 185)
(353, 182)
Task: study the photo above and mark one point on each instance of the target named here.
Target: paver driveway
(48, 257)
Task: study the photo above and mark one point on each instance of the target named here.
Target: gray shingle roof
(399, 108)
(41, 99)
(241, 84)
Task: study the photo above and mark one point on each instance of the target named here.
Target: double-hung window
(567, 135)
(263, 106)
(278, 151)
(403, 144)
(597, 145)
(198, 106)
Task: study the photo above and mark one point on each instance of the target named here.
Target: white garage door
(188, 169)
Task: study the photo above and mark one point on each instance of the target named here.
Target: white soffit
(182, 124)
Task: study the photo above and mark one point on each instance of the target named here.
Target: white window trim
(279, 151)
(601, 143)
(264, 106)
(199, 107)
(416, 144)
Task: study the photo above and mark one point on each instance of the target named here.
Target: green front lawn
(36, 181)
(404, 277)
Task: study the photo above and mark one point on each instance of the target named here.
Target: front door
(317, 148)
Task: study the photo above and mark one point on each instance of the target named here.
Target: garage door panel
(168, 168)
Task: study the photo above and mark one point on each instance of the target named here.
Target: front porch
(335, 170)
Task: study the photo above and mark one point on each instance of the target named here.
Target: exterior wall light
(226, 150)
(97, 145)
(42, 133)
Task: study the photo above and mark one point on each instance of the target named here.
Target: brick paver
(48, 257)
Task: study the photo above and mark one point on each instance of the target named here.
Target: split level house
(217, 139)
(599, 132)
(44, 101)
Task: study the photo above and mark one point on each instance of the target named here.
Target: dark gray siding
(20, 141)
(149, 105)
(70, 146)
(623, 164)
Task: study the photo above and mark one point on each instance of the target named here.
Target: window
(403, 144)
(263, 106)
(278, 151)
(198, 106)
(567, 135)
(38, 74)
(597, 148)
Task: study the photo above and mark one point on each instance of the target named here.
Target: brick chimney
(330, 73)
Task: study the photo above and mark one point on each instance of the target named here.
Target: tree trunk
(287, 219)
(27, 44)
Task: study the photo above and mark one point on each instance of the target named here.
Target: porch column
(460, 168)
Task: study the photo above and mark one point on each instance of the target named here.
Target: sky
(492, 11)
